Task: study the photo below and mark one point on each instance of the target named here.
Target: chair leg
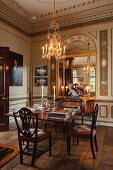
(95, 140)
(27, 146)
(21, 152)
(55, 128)
(50, 145)
(82, 118)
(73, 140)
(34, 154)
(68, 145)
(45, 126)
(77, 140)
(92, 149)
(64, 132)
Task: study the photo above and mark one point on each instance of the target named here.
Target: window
(75, 79)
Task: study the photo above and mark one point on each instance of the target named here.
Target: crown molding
(13, 19)
(79, 19)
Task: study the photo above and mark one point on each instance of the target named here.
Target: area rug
(7, 152)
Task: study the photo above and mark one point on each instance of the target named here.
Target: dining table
(64, 116)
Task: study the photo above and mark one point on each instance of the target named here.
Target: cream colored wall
(19, 43)
(36, 60)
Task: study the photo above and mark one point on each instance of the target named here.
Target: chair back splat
(31, 136)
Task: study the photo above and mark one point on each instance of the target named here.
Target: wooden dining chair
(29, 137)
(85, 131)
(87, 109)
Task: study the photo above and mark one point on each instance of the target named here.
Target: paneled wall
(105, 116)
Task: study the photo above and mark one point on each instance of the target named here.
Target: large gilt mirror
(80, 63)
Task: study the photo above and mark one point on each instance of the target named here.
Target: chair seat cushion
(80, 130)
(40, 136)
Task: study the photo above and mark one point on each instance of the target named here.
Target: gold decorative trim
(94, 34)
(70, 7)
(19, 6)
(74, 7)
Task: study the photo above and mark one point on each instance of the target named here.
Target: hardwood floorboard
(80, 158)
(106, 160)
(88, 161)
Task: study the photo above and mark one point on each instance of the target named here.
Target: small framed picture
(41, 71)
(39, 81)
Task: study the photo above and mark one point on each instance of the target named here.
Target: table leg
(67, 125)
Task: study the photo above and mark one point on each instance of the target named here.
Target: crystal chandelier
(88, 67)
(53, 46)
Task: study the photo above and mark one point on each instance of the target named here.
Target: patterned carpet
(7, 152)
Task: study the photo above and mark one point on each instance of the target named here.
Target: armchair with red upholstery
(29, 137)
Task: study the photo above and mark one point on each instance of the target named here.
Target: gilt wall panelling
(104, 111)
(104, 63)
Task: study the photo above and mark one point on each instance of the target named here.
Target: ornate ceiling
(34, 16)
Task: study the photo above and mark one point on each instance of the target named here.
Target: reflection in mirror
(80, 64)
(84, 73)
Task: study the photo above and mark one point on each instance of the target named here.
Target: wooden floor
(80, 158)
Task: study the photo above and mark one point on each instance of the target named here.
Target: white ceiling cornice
(11, 17)
(98, 14)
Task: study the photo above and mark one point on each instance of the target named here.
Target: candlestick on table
(54, 92)
(42, 92)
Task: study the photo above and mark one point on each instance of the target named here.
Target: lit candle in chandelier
(43, 50)
(62, 88)
(54, 92)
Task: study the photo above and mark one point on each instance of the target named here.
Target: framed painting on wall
(41, 71)
(41, 81)
(15, 69)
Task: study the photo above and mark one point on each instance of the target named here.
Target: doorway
(4, 88)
